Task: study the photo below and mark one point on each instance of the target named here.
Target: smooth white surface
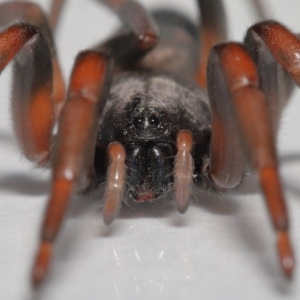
(222, 248)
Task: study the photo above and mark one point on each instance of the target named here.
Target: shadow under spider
(7, 138)
(286, 161)
(24, 185)
(244, 230)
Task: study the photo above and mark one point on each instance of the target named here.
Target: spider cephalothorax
(144, 112)
(157, 107)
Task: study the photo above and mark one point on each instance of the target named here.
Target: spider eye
(138, 123)
(153, 121)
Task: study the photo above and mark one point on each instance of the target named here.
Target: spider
(152, 115)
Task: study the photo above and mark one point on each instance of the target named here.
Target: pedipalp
(116, 175)
(183, 170)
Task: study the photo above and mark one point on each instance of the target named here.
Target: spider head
(144, 114)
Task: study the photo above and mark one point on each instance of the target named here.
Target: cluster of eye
(151, 122)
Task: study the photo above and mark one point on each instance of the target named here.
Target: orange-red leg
(37, 84)
(266, 41)
(32, 105)
(284, 45)
(137, 19)
(77, 131)
(241, 80)
(227, 164)
(32, 14)
(212, 29)
(139, 37)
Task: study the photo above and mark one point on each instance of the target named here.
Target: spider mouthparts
(145, 197)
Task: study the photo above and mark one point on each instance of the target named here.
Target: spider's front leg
(74, 143)
(77, 131)
(232, 72)
(38, 88)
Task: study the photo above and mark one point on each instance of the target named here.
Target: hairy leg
(77, 130)
(141, 35)
(212, 29)
(30, 13)
(250, 113)
(56, 9)
(276, 52)
(227, 165)
(38, 88)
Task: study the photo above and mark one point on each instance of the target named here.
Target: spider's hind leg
(212, 29)
(38, 88)
(275, 50)
(139, 36)
(56, 10)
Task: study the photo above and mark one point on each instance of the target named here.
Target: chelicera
(159, 106)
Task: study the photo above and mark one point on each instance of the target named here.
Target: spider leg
(260, 9)
(212, 29)
(35, 78)
(56, 9)
(266, 41)
(139, 38)
(227, 165)
(77, 130)
(239, 77)
(30, 13)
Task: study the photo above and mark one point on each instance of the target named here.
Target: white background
(222, 248)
